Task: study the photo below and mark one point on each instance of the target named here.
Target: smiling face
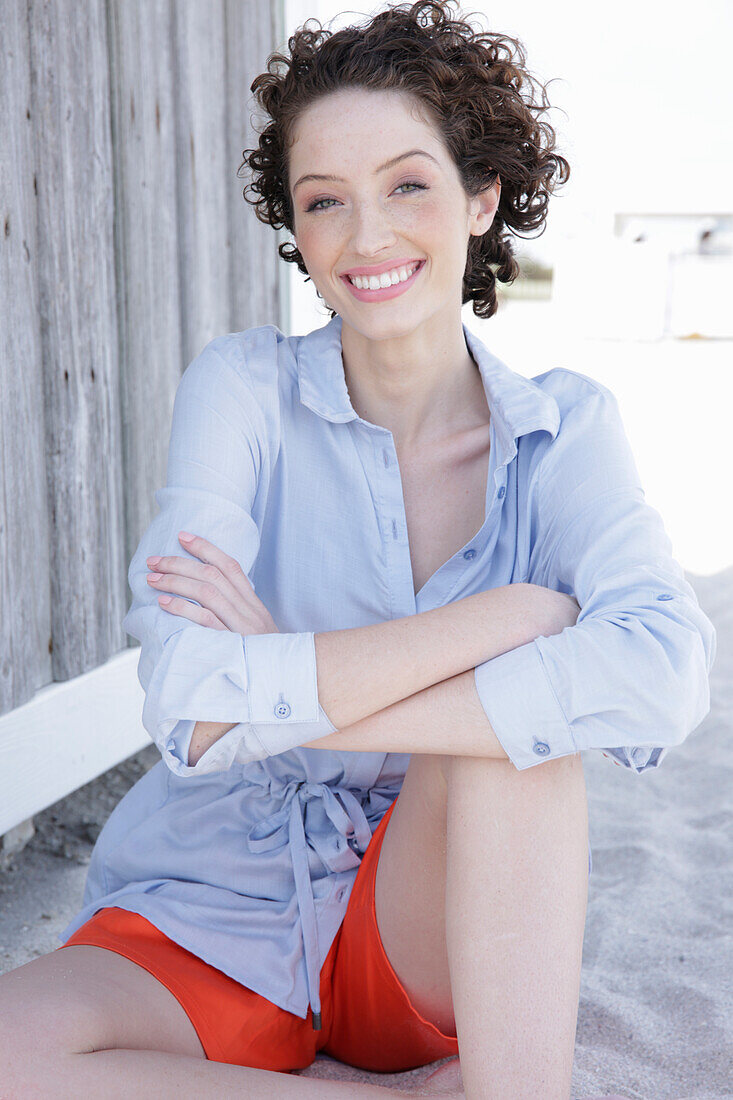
(381, 215)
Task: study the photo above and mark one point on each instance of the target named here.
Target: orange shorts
(368, 1019)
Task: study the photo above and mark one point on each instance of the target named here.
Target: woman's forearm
(364, 669)
(446, 718)
(203, 737)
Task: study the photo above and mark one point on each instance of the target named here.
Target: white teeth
(387, 278)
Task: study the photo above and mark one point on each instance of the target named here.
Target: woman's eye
(316, 205)
(420, 186)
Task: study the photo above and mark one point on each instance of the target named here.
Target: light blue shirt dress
(247, 859)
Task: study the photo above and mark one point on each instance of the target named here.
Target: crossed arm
(407, 685)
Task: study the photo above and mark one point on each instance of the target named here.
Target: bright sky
(641, 103)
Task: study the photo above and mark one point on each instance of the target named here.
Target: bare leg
(480, 897)
(516, 894)
(122, 1074)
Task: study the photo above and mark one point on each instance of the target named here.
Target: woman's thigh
(84, 998)
(409, 890)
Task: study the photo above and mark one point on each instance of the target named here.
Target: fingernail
(152, 561)
(164, 599)
(184, 535)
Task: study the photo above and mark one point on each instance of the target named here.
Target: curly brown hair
(473, 86)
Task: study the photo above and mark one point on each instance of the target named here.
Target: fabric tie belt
(348, 819)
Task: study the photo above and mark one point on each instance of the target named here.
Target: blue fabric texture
(247, 858)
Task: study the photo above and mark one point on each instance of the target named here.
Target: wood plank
(202, 168)
(146, 248)
(253, 31)
(68, 734)
(76, 301)
(25, 597)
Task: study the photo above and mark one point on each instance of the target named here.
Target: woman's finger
(213, 567)
(216, 581)
(202, 581)
(210, 554)
(187, 610)
(209, 594)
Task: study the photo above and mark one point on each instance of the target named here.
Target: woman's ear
(483, 208)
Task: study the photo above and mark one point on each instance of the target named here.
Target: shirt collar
(517, 405)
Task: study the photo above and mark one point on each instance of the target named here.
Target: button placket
(492, 522)
(389, 500)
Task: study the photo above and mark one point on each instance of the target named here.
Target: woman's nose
(372, 230)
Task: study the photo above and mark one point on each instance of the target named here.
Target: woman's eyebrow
(382, 168)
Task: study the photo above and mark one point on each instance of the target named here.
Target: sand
(655, 1018)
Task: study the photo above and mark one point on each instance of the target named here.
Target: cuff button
(282, 710)
(541, 748)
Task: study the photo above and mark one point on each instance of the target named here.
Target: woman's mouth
(364, 294)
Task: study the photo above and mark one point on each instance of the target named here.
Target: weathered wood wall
(126, 246)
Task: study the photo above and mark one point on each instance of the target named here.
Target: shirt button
(469, 555)
(501, 492)
(170, 744)
(666, 596)
(541, 748)
(282, 710)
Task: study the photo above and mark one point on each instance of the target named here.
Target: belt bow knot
(286, 825)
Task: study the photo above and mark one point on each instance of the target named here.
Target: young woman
(368, 834)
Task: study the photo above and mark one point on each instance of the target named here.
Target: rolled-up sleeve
(265, 684)
(631, 676)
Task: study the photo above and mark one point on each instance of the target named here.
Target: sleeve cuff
(521, 705)
(282, 687)
(282, 691)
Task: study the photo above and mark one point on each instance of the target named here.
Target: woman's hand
(217, 582)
